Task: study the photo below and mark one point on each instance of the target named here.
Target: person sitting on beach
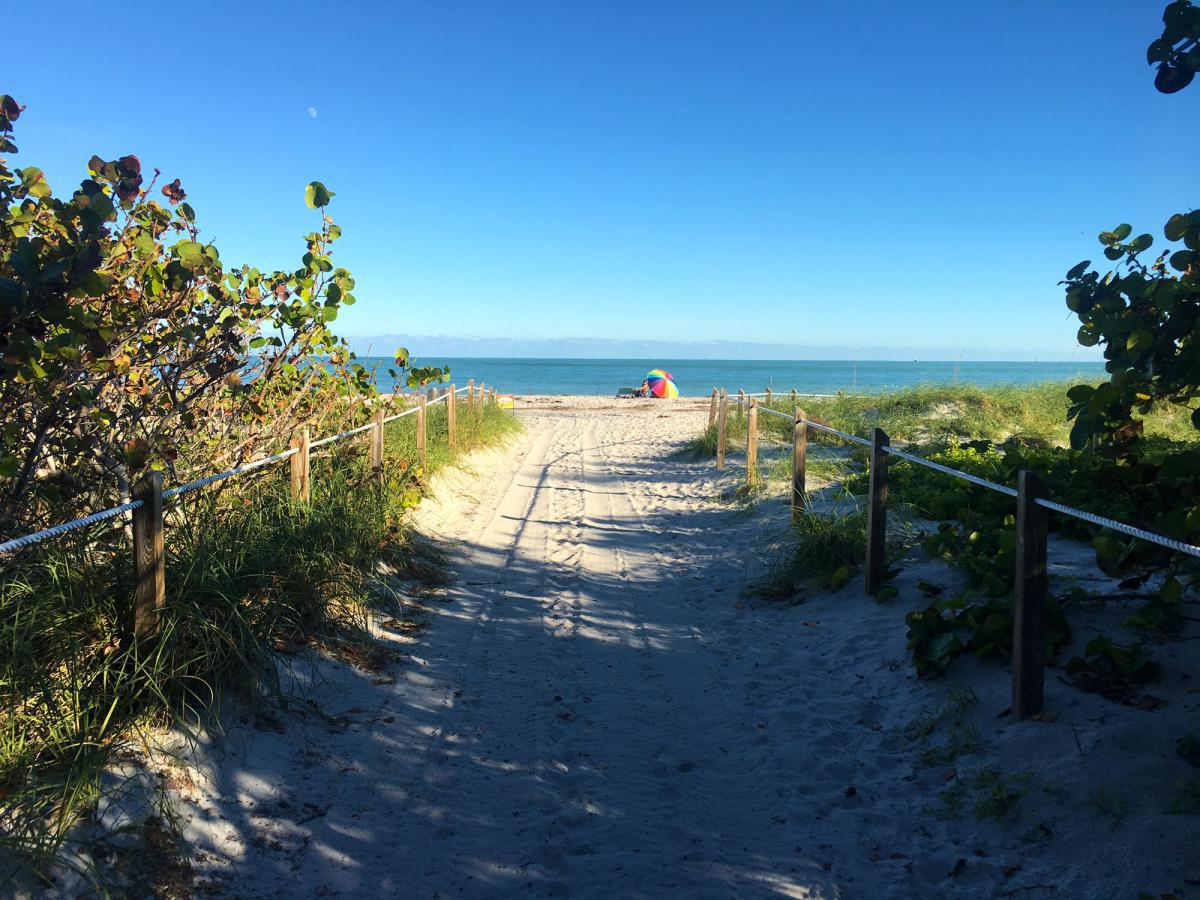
(643, 391)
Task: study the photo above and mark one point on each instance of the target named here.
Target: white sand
(594, 710)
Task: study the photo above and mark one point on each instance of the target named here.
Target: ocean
(697, 377)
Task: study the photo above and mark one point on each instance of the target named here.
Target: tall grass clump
(249, 572)
(827, 551)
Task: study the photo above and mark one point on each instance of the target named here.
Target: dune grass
(928, 414)
(249, 571)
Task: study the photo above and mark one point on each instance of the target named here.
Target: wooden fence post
(452, 418)
(877, 512)
(712, 408)
(299, 463)
(770, 395)
(799, 458)
(741, 402)
(722, 427)
(150, 586)
(422, 401)
(752, 443)
(377, 447)
(1029, 609)
(470, 393)
(794, 398)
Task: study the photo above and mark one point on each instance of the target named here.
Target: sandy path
(595, 711)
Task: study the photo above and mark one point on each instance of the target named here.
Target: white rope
(1101, 521)
(946, 470)
(1132, 531)
(775, 412)
(228, 473)
(841, 434)
(1082, 515)
(102, 515)
(56, 530)
(407, 412)
(337, 437)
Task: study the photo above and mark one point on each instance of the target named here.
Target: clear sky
(857, 174)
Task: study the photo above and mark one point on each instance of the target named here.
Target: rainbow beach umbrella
(662, 384)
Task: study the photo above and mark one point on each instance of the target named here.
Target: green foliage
(1116, 671)
(704, 445)
(990, 793)
(127, 344)
(963, 739)
(249, 571)
(1162, 614)
(828, 551)
(1145, 316)
(959, 698)
(943, 631)
(1177, 51)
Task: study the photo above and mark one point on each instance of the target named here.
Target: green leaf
(1113, 253)
(1141, 242)
(1180, 260)
(1139, 340)
(1176, 227)
(840, 576)
(186, 212)
(33, 182)
(1121, 232)
(1078, 270)
(316, 195)
(402, 357)
(190, 253)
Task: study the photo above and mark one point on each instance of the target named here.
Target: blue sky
(867, 175)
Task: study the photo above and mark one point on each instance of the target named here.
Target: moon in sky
(312, 112)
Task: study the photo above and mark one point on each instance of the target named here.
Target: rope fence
(1032, 531)
(56, 530)
(149, 497)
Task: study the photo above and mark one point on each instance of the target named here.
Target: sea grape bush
(1176, 52)
(1146, 317)
(126, 343)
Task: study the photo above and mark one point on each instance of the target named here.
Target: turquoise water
(696, 377)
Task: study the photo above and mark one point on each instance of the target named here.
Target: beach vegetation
(989, 793)
(129, 346)
(828, 550)
(963, 739)
(952, 626)
(959, 698)
(1114, 670)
